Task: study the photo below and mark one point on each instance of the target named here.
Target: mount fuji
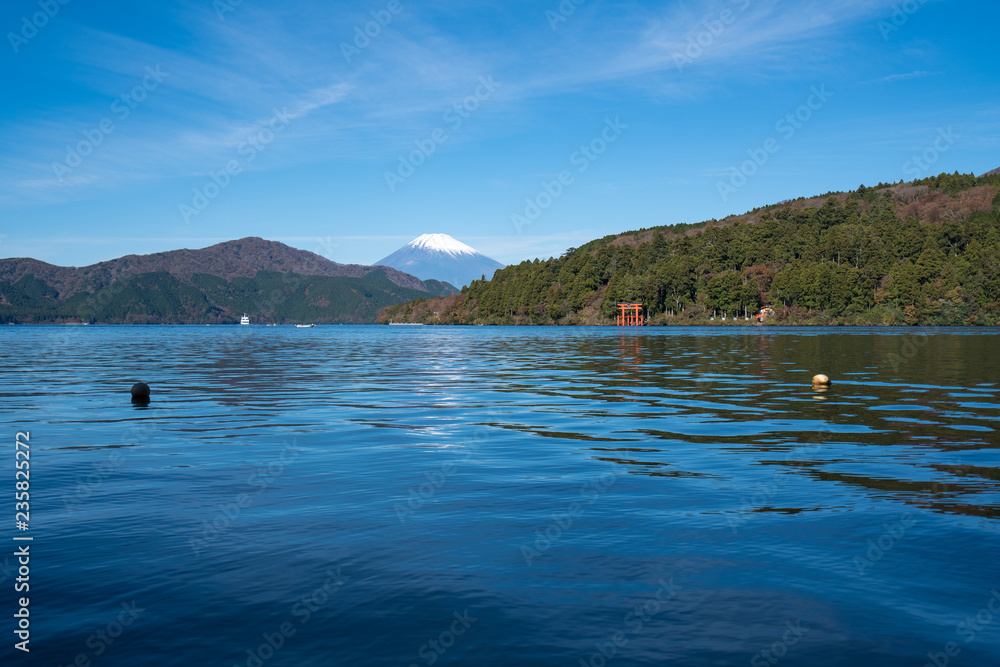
(440, 257)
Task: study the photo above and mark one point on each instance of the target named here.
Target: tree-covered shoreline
(919, 253)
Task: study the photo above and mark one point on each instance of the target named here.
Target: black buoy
(140, 392)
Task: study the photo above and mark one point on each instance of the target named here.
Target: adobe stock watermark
(634, 622)
(880, 546)
(223, 7)
(290, 281)
(562, 13)
(122, 106)
(248, 149)
(967, 629)
(31, 25)
(901, 13)
(908, 350)
(435, 480)
(581, 158)
(918, 165)
(363, 35)
(786, 126)
(432, 650)
(227, 514)
(101, 640)
(419, 496)
(545, 539)
(455, 117)
(301, 610)
(700, 42)
(765, 492)
(776, 651)
(87, 485)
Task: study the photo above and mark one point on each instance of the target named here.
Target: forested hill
(269, 281)
(925, 252)
(162, 298)
(241, 258)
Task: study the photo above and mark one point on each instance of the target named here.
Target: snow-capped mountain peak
(440, 257)
(442, 243)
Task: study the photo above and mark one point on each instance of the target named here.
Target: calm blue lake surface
(506, 496)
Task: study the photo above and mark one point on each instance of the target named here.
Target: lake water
(506, 496)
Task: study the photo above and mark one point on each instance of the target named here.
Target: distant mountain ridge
(270, 281)
(441, 257)
(230, 259)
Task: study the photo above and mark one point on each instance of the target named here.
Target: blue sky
(520, 128)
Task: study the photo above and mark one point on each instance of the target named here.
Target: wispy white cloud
(719, 38)
(919, 74)
(223, 86)
(69, 181)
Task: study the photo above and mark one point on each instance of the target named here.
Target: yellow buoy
(821, 380)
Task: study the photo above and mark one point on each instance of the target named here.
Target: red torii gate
(630, 314)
